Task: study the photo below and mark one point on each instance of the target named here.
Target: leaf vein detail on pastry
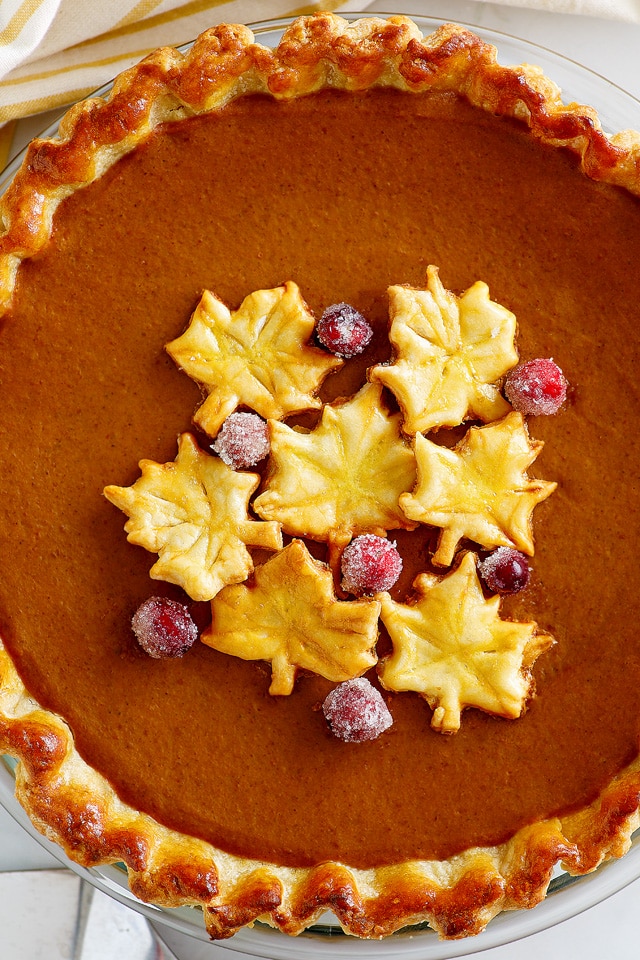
(479, 489)
(448, 354)
(192, 512)
(452, 648)
(342, 478)
(258, 356)
(289, 615)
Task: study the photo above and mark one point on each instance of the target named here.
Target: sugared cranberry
(370, 564)
(355, 711)
(343, 330)
(243, 440)
(164, 628)
(505, 570)
(536, 388)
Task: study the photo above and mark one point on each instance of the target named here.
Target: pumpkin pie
(165, 264)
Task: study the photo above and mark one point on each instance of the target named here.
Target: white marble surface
(29, 906)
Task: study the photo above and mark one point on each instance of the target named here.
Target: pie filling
(246, 199)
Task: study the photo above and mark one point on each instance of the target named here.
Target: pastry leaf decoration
(452, 648)
(342, 478)
(449, 352)
(289, 615)
(479, 489)
(257, 356)
(192, 512)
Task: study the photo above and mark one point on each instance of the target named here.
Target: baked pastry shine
(236, 356)
(450, 353)
(291, 616)
(479, 489)
(342, 478)
(451, 646)
(193, 514)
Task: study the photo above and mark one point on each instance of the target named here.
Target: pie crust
(69, 801)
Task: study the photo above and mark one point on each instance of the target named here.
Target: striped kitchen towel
(53, 52)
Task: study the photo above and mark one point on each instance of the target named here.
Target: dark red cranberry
(343, 330)
(505, 570)
(355, 711)
(536, 388)
(164, 628)
(370, 564)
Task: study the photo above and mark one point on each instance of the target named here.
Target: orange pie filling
(346, 195)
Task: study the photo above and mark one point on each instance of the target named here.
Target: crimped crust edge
(73, 805)
(316, 52)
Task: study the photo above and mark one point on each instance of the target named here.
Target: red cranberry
(536, 388)
(355, 711)
(164, 628)
(343, 330)
(505, 570)
(370, 564)
(243, 440)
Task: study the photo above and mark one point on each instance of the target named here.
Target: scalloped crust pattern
(66, 799)
(315, 53)
(74, 806)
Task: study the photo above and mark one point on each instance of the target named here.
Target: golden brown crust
(77, 808)
(315, 52)
(70, 802)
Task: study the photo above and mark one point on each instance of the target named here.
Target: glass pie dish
(617, 111)
(567, 897)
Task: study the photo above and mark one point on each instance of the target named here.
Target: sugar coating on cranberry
(505, 570)
(536, 388)
(370, 564)
(243, 440)
(164, 628)
(343, 330)
(355, 711)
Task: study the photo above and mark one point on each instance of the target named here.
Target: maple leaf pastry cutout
(448, 354)
(342, 478)
(452, 648)
(478, 489)
(257, 356)
(290, 616)
(192, 512)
